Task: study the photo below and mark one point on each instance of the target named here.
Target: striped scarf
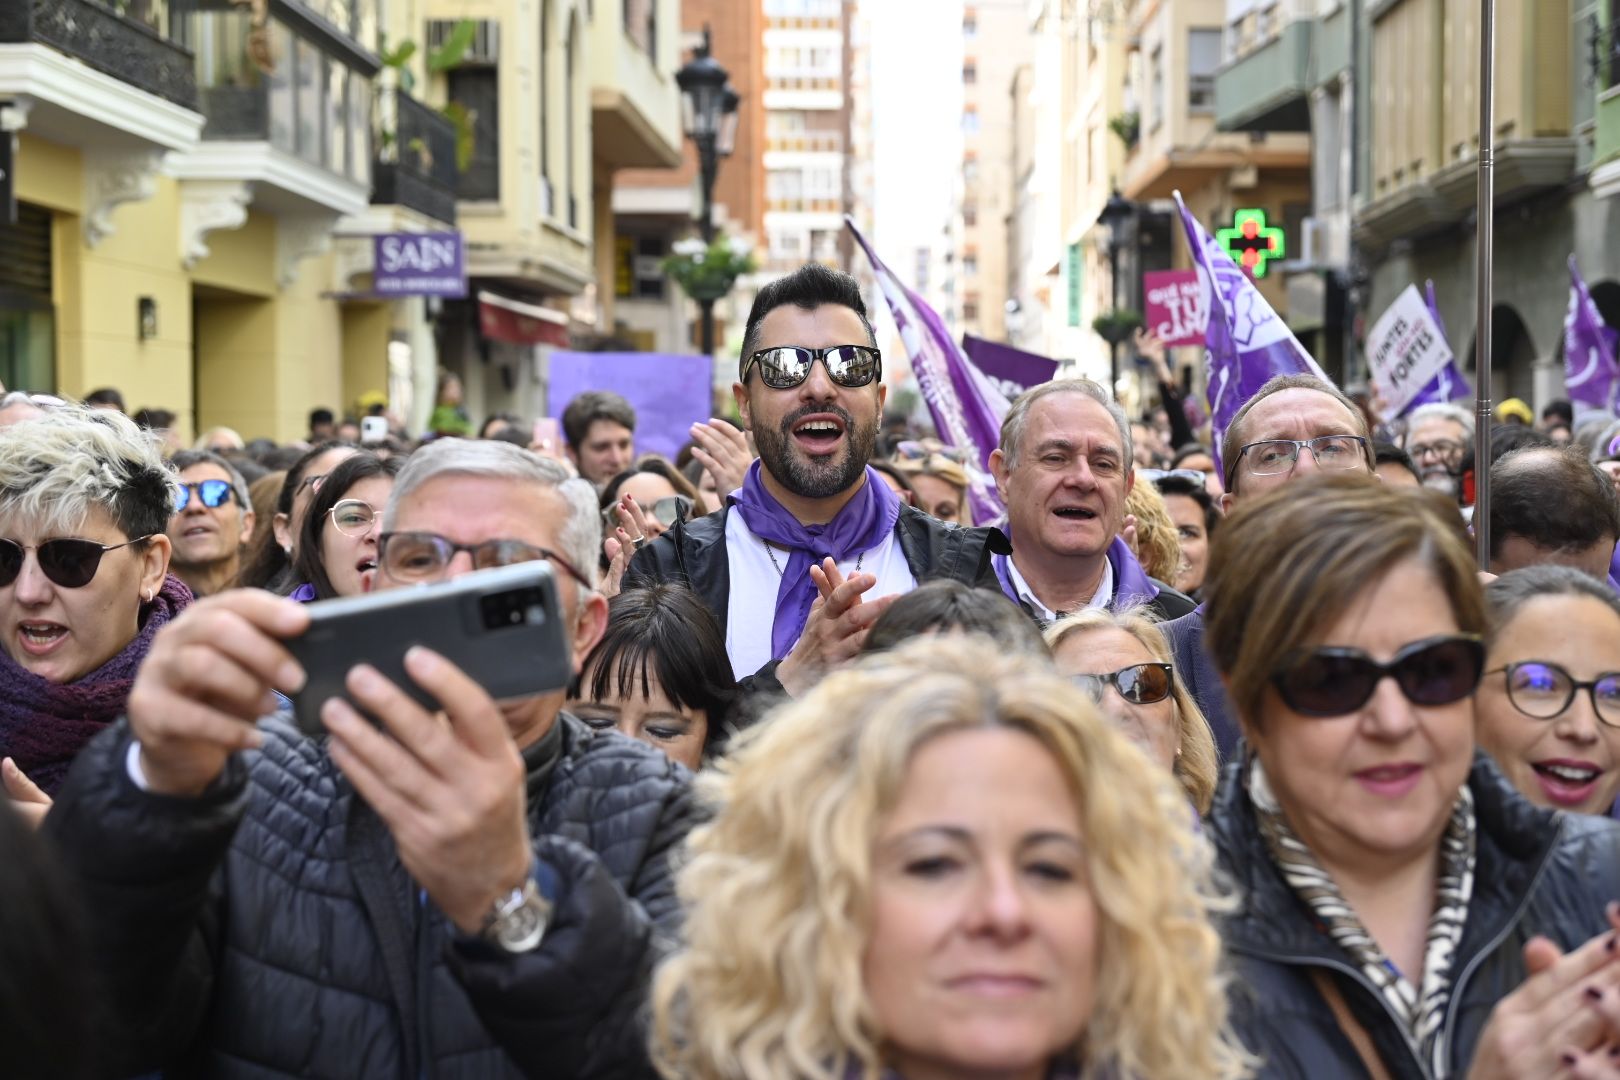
(1420, 1009)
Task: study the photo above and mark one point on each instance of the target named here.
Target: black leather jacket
(1537, 872)
(267, 928)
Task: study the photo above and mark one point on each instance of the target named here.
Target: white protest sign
(1405, 350)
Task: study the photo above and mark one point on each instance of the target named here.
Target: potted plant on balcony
(707, 272)
(397, 76)
(1128, 127)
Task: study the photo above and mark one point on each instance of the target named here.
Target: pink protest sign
(1175, 307)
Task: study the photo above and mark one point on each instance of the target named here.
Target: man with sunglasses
(472, 893)
(213, 519)
(813, 529)
(1295, 428)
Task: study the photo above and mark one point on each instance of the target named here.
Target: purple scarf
(44, 725)
(859, 527)
(1131, 583)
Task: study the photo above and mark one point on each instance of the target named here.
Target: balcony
(102, 39)
(1603, 67)
(1268, 88)
(635, 104)
(415, 165)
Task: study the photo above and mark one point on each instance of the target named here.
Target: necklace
(771, 551)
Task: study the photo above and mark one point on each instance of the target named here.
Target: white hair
(1439, 410)
(1013, 424)
(581, 537)
(71, 459)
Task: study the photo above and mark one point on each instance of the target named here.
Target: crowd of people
(1199, 762)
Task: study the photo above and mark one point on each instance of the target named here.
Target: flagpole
(1485, 258)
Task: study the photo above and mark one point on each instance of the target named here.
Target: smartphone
(545, 433)
(503, 627)
(373, 429)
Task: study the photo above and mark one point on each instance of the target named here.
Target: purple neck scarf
(44, 725)
(1131, 583)
(859, 527)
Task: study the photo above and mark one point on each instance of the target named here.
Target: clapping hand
(836, 630)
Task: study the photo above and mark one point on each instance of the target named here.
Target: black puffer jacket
(1538, 872)
(268, 928)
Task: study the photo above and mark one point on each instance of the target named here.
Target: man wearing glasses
(1438, 437)
(212, 520)
(469, 893)
(1295, 428)
(812, 530)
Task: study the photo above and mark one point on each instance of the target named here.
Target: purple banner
(1591, 375)
(1451, 384)
(966, 408)
(1012, 371)
(1174, 303)
(1245, 343)
(419, 264)
(670, 393)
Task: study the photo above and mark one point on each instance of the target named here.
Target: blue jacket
(1196, 670)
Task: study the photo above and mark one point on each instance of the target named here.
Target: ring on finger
(639, 542)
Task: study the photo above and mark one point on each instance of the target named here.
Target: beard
(816, 477)
(1443, 481)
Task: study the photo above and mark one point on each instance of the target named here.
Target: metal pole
(708, 164)
(1485, 256)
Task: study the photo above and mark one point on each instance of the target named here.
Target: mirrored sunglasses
(787, 366)
(1139, 684)
(211, 493)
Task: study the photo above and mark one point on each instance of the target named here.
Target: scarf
(1131, 583)
(859, 527)
(1420, 1004)
(44, 725)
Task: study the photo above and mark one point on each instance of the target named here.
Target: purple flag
(1591, 375)
(966, 408)
(1451, 384)
(1245, 343)
(1012, 371)
(669, 392)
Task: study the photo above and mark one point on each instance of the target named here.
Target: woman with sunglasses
(337, 550)
(85, 498)
(1549, 708)
(1123, 663)
(1405, 912)
(269, 563)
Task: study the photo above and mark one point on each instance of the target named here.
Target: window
(1203, 58)
(970, 266)
(970, 74)
(477, 90)
(545, 96)
(970, 172)
(1156, 90)
(970, 309)
(970, 215)
(970, 122)
(970, 25)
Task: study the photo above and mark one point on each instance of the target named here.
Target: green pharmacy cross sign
(1251, 243)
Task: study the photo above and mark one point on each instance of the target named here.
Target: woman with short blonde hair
(1080, 641)
(804, 905)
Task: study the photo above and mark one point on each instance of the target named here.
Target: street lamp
(709, 108)
(1118, 212)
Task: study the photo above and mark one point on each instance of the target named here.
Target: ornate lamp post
(709, 106)
(1115, 217)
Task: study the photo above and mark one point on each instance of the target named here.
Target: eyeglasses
(1441, 449)
(1274, 456)
(1543, 691)
(66, 562)
(211, 493)
(353, 517)
(1335, 682)
(787, 366)
(312, 482)
(425, 556)
(916, 451)
(1153, 476)
(1139, 684)
(667, 511)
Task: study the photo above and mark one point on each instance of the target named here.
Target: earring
(148, 595)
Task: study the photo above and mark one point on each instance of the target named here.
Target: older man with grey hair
(1438, 437)
(1064, 469)
(475, 893)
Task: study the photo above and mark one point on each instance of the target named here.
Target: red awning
(517, 323)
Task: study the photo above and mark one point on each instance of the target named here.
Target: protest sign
(1175, 306)
(669, 392)
(1405, 350)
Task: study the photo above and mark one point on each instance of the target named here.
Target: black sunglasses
(68, 563)
(787, 366)
(1139, 684)
(211, 493)
(424, 556)
(1335, 682)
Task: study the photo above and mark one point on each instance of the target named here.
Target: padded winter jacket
(1537, 872)
(268, 929)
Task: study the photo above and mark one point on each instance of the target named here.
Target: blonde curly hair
(1158, 542)
(1197, 765)
(777, 885)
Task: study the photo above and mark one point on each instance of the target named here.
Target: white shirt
(751, 608)
(1026, 595)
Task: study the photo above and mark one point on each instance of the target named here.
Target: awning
(516, 323)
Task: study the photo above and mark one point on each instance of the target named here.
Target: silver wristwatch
(519, 919)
